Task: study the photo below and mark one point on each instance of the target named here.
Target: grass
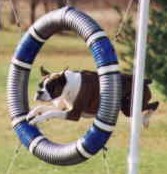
(58, 53)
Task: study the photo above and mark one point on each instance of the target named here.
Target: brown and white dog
(75, 94)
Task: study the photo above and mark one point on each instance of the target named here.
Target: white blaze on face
(43, 94)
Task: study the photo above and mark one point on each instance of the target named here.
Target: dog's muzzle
(42, 96)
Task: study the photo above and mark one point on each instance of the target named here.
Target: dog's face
(51, 86)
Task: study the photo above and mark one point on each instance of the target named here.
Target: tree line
(50, 4)
(156, 57)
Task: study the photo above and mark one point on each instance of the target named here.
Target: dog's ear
(66, 68)
(43, 71)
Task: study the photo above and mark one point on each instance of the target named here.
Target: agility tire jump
(109, 78)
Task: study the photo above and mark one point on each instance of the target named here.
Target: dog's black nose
(40, 92)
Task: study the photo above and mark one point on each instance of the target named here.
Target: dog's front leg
(47, 115)
(37, 111)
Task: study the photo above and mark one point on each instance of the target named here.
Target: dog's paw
(34, 118)
(38, 118)
(33, 113)
(146, 118)
(146, 122)
(30, 116)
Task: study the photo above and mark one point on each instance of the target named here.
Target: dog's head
(51, 86)
(127, 95)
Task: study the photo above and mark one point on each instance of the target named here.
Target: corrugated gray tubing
(110, 87)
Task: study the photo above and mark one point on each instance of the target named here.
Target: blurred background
(119, 19)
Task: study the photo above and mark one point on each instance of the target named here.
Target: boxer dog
(75, 94)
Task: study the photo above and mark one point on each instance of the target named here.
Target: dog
(75, 94)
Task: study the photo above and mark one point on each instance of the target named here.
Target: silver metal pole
(143, 15)
(1, 14)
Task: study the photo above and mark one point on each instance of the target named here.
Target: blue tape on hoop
(103, 52)
(27, 49)
(95, 139)
(26, 133)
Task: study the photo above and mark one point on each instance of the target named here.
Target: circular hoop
(109, 78)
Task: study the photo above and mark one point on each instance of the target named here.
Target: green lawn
(58, 53)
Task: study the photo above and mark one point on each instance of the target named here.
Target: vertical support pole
(1, 14)
(143, 14)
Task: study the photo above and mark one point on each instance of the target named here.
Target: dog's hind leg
(148, 111)
(146, 117)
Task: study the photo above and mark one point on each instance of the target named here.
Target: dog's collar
(72, 86)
